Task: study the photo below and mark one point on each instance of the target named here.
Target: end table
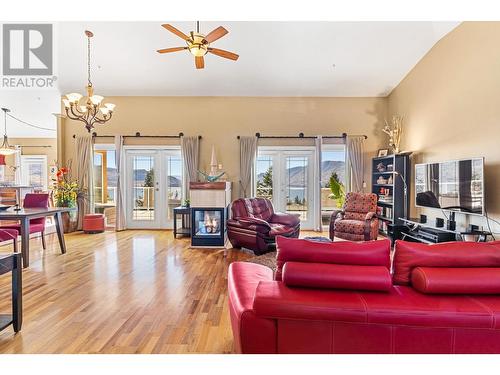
(185, 215)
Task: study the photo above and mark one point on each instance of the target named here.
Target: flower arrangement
(65, 188)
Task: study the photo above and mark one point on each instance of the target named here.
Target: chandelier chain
(88, 60)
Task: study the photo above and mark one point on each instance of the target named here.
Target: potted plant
(66, 191)
(337, 189)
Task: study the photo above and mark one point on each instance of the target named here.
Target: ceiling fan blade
(225, 54)
(199, 62)
(216, 34)
(174, 49)
(172, 29)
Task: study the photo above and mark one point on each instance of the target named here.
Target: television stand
(428, 233)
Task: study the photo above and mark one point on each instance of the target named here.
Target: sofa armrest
(254, 221)
(285, 219)
(247, 226)
(370, 216)
(251, 333)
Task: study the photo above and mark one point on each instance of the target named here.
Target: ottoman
(93, 223)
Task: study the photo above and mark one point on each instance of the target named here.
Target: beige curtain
(355, 162)
(248, 153)
(319, 219)
(120, 222)
(190, 151)
(84, 155)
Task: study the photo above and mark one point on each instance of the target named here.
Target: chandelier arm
(75, 115)
(75, 118)
(103, 120)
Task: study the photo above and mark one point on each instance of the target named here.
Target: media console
(414, 230)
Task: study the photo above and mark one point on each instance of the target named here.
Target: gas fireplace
(209, 213)
(208, 226)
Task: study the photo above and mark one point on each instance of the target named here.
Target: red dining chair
(9, 235)
(36, 225)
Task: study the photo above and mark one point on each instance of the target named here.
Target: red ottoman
(93, 223)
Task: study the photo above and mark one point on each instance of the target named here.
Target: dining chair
(9, 235)
(36, 225)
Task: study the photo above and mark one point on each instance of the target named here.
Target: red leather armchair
(437, 301)
(358, 219)
(254, 224)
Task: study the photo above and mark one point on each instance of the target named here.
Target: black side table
(13, 263)
(185, 213)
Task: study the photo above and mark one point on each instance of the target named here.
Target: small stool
(93, 223)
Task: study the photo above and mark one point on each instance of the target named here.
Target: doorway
(286, 176)
(153, 186)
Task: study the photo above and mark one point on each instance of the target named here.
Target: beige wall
(220, 119)
(451, 104)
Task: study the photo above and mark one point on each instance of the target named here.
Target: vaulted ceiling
(276, 58)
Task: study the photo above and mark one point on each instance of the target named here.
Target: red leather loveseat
(255, 225)
(340, 298)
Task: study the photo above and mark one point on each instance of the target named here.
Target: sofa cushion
(409, 255)
(336, 276)
(443, 280)
(370, 253)
(401, 306)
(350, 226)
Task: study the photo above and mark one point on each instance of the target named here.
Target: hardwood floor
(126, 292)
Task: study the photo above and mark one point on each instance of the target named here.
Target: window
(333, 166)
(34, 171)
(264, 172)
(105, 181)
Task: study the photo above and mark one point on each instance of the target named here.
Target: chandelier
(88, 109)
(5, 148)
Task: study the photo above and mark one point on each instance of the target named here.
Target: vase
(69, 221)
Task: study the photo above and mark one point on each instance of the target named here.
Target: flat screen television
(456, 185)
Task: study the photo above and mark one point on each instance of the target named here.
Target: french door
(286, 176)
(153, 187)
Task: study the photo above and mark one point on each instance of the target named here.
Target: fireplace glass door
(208, 226)
(208, 223)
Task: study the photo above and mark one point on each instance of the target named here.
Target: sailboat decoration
(214, 174)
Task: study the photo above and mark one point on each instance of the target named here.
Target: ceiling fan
(199, 44)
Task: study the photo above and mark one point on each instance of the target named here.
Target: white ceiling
(276, 58)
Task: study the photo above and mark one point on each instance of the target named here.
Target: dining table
(24, 215)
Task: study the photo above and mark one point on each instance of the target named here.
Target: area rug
(267, 259)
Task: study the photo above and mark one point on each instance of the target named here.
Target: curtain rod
(301, 135)
(138, 135)
(41, 146)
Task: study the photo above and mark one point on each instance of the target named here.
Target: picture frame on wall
(383, 152)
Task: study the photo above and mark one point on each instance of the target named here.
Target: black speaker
(423, 219)
(451, 224)
(439, 222)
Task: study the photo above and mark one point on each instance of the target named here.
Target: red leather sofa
(340, 298)
(254, 224)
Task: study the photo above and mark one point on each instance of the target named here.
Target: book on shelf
(384, 212)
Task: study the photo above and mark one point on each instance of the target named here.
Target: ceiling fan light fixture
(197, 45)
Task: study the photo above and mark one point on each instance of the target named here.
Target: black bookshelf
(390, 189)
